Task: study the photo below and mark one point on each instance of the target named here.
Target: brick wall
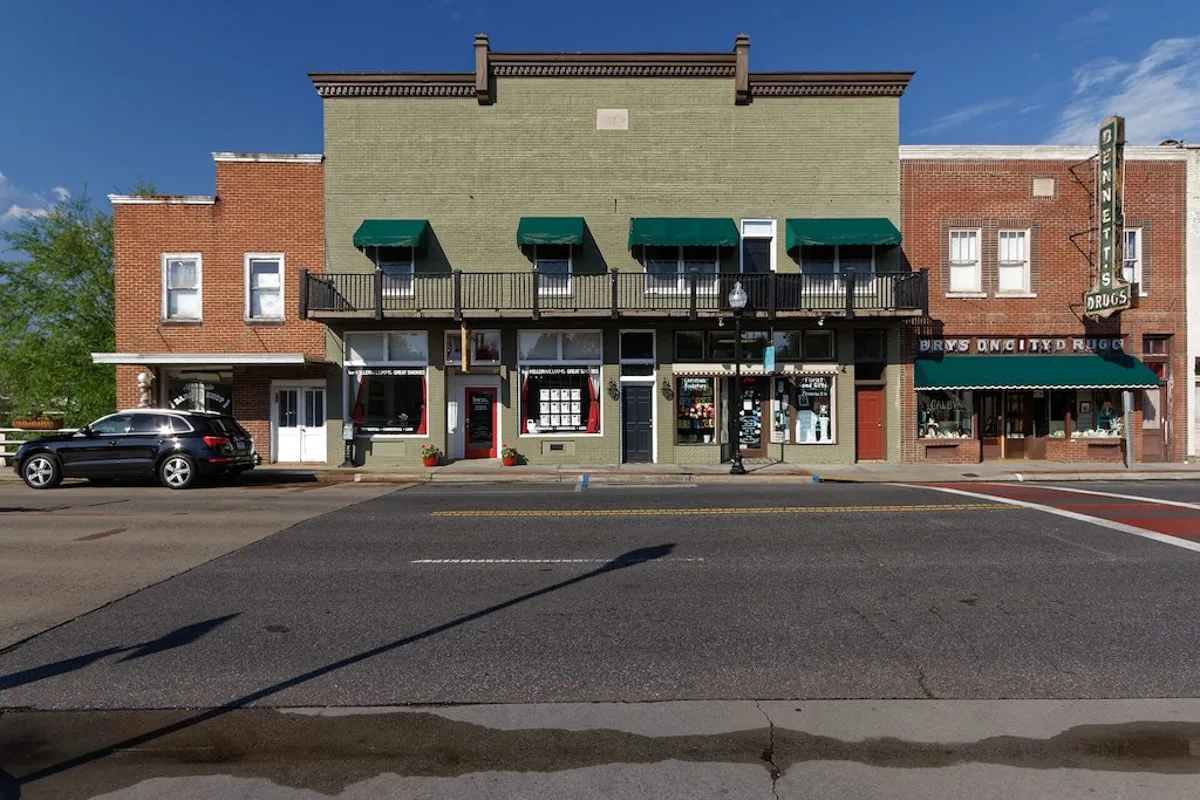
(261, 207)
(992, 193)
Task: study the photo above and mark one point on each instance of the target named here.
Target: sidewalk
(488, 471)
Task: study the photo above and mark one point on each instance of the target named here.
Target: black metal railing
(532, 293)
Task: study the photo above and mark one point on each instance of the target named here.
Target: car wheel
(177, 471)
(41, 471)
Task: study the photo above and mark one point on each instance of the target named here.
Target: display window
(560, 381)
(815, 412)
(388, 382)
(944, 414)
(695, 410)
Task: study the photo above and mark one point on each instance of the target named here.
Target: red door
(869, 416)
(480, 429)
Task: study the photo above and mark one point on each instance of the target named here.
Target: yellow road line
(671, 512)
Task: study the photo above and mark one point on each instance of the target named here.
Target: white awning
(752, 370)
(203, 359)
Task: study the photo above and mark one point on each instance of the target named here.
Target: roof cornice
(394, 84)
(162, 200)
(720, 65)
(829, 84)
(1033, 152)
(271, 158)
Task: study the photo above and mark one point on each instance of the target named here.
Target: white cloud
(964, 115)
(17, 203)
(1088, 25)
(62, 193)
(1159, 95)
(1031, 109)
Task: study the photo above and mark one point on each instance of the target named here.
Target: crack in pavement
(769, 754)
(895, 647)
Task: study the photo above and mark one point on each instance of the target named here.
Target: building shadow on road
(10, 784)
(181, 637)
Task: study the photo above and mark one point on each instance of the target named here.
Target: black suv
(178, 447)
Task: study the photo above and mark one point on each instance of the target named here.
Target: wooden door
(480, 429)
(991, 425)
(1154, 422)
(637, 423)
(868, 441)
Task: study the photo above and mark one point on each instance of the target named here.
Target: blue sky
(100, 94)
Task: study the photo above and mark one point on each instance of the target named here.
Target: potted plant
(508, 456)
(430, 455)
(35, 420)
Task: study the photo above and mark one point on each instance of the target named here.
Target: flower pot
(36, 424)
(509, 461)
(431, 461)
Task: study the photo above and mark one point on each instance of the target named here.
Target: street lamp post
(737, 301)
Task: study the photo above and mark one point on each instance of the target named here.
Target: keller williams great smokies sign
(1110, 294)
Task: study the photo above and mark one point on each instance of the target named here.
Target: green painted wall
(474, 170)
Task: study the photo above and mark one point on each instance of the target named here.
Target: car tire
(41, 471)
(177, 471)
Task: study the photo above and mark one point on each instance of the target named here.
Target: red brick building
(1007, 366)
(206, 305)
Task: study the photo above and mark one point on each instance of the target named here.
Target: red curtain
(358, 412)
(424, 406)
(524, 410)
(593, 422)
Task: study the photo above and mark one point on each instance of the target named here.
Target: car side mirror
(86, 430)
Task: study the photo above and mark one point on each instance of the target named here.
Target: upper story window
(181, 286)
(965, 272)
(396, 264)
(667, 268)
(264, 286)
(410, 348)
(1013, 262)
(1131, 268)
(485, 348)
(553, 263)
(828, 259)
(758, 245)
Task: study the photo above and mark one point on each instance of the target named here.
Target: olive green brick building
(539, 253)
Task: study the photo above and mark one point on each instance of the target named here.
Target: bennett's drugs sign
(1111, 293)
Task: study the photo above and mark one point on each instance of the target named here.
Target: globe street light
(737, 301)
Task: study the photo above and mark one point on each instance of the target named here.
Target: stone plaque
(612, 119)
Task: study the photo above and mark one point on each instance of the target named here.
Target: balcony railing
(453, 295)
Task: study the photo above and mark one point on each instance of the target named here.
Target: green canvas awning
(842, 230)
(550, 230)
(1033, 372)
(392, 233)
(676, 231)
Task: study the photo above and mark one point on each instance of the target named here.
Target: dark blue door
(637, 422)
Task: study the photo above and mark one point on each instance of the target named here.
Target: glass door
(481, 423)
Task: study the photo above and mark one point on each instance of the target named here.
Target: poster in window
(780, 411)
(547, 405)
(814, 409)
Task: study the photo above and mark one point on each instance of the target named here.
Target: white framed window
(387, 382)
(560, 382)
(757, 253)
(1013, 262)
(485, 348)
(554, 264)
(396, 264)
(965, 272)
(1131, 266)
(667, 269)
(264, 286)
(181, 282)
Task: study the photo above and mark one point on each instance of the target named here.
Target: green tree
(56, 309)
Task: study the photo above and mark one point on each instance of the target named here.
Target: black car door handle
(112, 441)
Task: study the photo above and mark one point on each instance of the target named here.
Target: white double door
(299, 423)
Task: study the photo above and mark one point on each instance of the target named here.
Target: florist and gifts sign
(1019, 345)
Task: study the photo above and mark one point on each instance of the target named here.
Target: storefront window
(560, 400)
(1062, 404)
(695, 410)
(1100, 413)
(815, 423)
(689, 345)
(392, 403)
(721, 345)
(209, 392)
(781, 410)
(560, 381)
(812, 345)
(485, 347)
(387, 381)
(944, 415)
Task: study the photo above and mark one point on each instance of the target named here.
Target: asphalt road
(733, 613)
(467, 595)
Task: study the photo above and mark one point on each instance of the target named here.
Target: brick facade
(992, 189)
(263, 204)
